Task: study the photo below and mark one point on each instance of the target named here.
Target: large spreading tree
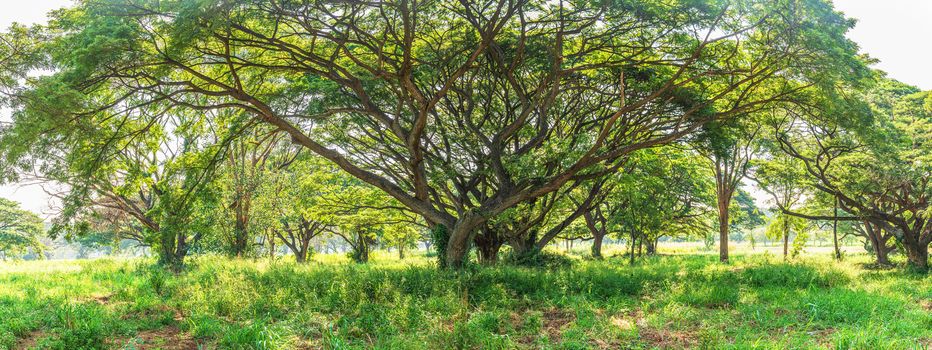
(460, 110)
(869, 148)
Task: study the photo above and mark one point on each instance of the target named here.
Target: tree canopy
(207, 125)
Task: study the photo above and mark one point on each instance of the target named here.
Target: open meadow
(674, 300)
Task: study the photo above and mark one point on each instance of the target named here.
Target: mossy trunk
(240, 243)
(361, 248)
(523, 247)
(172, 250)
(917, 253)
(240, 240)
(488, 252)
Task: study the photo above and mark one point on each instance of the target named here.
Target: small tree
(401, 236)
(782, 177)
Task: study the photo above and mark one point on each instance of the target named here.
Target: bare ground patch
(29, 341)
(167, 338)
(553, 321)
(668, 339)
(101, 299)
(652, 336)
(823, 336)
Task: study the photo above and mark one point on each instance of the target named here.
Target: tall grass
(681, 301)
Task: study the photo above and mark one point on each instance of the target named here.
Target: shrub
(540, 258)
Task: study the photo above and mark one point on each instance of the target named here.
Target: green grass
(679, 301)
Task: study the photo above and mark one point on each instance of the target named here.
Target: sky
(897, 32)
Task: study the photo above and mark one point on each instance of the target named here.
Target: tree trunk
(882, 255)
(878, 243)
(488, 254)
(835, 232)
(651, 246)
(488, 243)
(786, 238)
(240, 227)
(172, 250)
(460, 241)
(597, 244)
(300, 256)
(723, 218)
(239, 238)
(522, 247)
(917, 256)
(640, 246)
(272, 246)
(917, 250)
(361, 248)
(457, 252)
(598, 233)
(632, 247)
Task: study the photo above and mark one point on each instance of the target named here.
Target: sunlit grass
(677, 300)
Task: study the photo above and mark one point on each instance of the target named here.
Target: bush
(539, 258)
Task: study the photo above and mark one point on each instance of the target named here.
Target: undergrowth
(681, 301)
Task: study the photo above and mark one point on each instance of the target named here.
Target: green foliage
(661, 191)
(797, 229)
(440, 235)
(746, 215)
(539, 259)
(20, 231)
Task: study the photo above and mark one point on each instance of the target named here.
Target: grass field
(671, 301)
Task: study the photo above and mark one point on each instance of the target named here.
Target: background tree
(401, 236)
(782, 226)
(153, 165)
(299, 196)
(745, 217)
(665, 191)
(729, 148)
(872, 158)
(246, 167)
(20, 231)
(783, 178)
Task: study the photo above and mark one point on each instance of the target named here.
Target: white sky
(897, 32)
